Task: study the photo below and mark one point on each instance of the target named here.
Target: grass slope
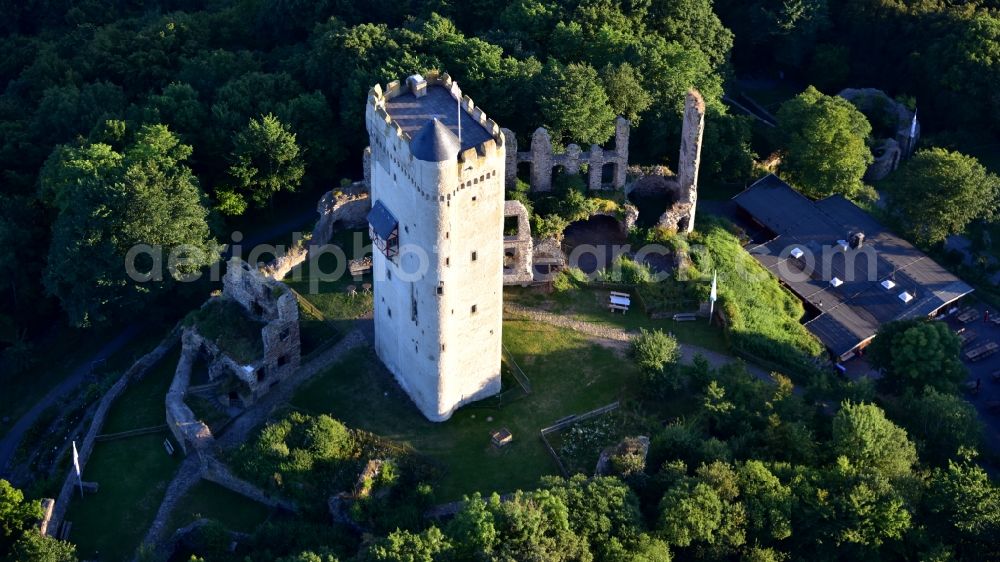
(568, 373)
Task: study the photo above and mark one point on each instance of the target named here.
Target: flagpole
(712, 296)
(76, 466)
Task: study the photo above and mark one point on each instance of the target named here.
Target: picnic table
(982, 352)
(965, 337)
(968, 315)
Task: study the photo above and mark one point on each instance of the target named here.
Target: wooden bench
(619, 301)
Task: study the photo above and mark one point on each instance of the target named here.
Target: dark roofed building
(851, 272)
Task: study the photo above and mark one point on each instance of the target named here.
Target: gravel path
(601, 331)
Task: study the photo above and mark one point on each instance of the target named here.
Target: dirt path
(8, 445)
(621, 337)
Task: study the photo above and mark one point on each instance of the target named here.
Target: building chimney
(857, 240)
(417, 85)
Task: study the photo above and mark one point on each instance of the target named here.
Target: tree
(19, 536)
(768, 502)
(941, 424)
(938, 193)
(690, 513)
(871, 443)
(266, 160)
(626, 95)
(964, 505)
(914, 354)
(654, 351)
(602, 510)
(575, 105)
(109, 202)
(693, 23)
(824, 140)
(405, 546)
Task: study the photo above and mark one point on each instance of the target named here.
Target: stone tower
(437, 218)
(692, 131)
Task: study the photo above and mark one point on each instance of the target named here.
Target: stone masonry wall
(543, 159)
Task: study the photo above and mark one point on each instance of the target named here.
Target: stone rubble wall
(520, 271)
(542, 159)
(135, 373)
(345, 208)
(187, 429)
(216, 471)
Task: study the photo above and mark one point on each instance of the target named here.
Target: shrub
(568, 279)
(654, 350)
(549, 226)
(626, 270)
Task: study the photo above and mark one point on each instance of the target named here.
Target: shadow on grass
(569, 375)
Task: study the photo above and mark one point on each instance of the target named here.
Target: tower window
(389, 311)
(473, 197)
(441, 289)
(475, 255)
(473, 309)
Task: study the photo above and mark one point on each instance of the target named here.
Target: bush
(568, 279)
(549, 226)
(626, 270)
(654, 351)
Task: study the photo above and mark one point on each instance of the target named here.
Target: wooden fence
(568, 421)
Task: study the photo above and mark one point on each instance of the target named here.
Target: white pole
(76, 466)
(712, 296)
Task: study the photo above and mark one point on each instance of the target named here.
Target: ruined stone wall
(187, 429)
(907, 125)
(689, 162)
(518, 247)
(543, 159)
(135, 373)
(344, 208)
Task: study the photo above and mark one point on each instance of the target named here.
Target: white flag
(76, 460)
(712, 297)
(913, 125)
(458, 114)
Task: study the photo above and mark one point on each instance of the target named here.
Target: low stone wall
(214, 470)
(347, 207)
(282, 265)
(135, 373)
(186, 428)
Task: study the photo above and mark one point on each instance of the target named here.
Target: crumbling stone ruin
(344, 208)
(542, 160)
(888, 151)
(679, 217)
(517, 247)
(261, 302)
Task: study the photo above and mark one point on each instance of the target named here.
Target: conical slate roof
(434, 143)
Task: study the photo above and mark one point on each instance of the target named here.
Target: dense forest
(234, 103)
(172, 123)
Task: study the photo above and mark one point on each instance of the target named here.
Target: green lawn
(589, 305)
(325, 285)
(133, 473)
(568, 373)
(211, 501)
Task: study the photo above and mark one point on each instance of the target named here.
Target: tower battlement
(400, 130)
